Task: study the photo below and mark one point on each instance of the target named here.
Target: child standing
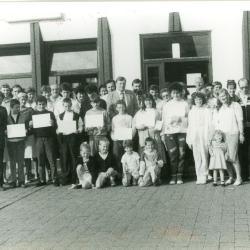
(121, 120)
(175, 116)
(95, 133)
(16, 145)
(69, 142)
(45, 143)
(150, 165)
(105, 164)
(144, 131)
(86, 170)
(198, 135)
(3, 124)
(218, 153)
(130, 164)
(31, 103)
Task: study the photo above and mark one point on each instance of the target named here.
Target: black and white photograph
(125, 125)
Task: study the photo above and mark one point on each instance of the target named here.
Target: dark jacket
(3, 121)
(103, 165)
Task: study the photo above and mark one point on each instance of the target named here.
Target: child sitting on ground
(105, 164)
(150, 165)
(130, 164)
(86, 171)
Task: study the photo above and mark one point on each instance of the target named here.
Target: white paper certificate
(94, 121)
(67, 127)
(123, 134)
(16, 131)
(41, 121)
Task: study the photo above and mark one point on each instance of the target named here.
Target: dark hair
(90, 88)
(14, 102)
(121, 102)
(66, 87)
(209, 85)
(5, 85)
(120, 78)
(79, 89)
(1, 95)
(149, 139)
(217, 83)
(164, 90)
(136, 81)
(94, 97)
(154, 87)
(148, 97)
(17, 86)
(40, 99)
(128, 143)
(30, 90)
(45, 88)
(67, 100)
(198, 95)
(102, 86)
(231, 83)
(109, 81)
(176, 86)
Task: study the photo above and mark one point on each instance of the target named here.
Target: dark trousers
(45, 147)
(69, 153)
(118, 152)
(2, 144)
(176, 145)
(244, 155)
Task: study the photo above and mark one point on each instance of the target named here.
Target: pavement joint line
(21, 198)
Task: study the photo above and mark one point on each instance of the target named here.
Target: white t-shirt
(131, 161)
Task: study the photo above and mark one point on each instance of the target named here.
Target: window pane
(67, 61)
(153, 75)
(15, 64)
(190, 46)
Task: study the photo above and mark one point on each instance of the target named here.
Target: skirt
(232, 141)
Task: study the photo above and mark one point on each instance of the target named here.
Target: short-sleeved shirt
(131, 160)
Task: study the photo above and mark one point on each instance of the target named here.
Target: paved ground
(165, 217)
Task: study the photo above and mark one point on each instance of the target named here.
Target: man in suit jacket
(121, 94)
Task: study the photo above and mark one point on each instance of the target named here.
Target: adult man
(244, 152)
(121, 94)
(137, 89)
(199, 83)
(110, 85)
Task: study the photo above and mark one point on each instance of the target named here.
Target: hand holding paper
(41, 121)
(16, 131)
(94, 121)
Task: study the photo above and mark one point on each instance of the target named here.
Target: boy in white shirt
(130, 164)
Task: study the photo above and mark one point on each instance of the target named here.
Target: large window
(176, 56)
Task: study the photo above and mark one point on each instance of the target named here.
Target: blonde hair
(85, 145)
(219, 132)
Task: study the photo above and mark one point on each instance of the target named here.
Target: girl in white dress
(218, 152)
(198, 134)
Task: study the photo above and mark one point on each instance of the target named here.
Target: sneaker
(12, 185)
(23, 185)
(179, 179)
(2, 188)
(173, 180)
(209, 178)
(229, 181)
(222, 183)
(56, 183)
(40, 184)
(112, 182)
(215, 184)
(238, 182)
(75, 186)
